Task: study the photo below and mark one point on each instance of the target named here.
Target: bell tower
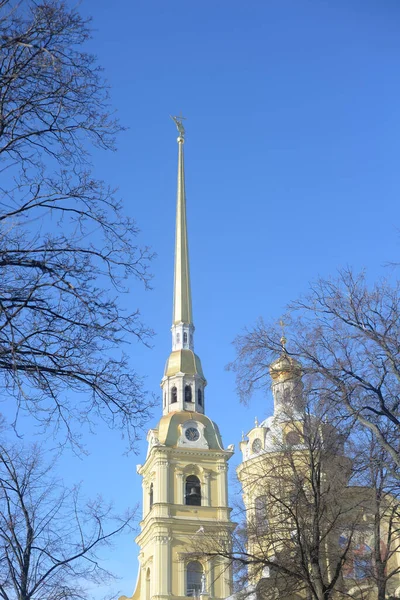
(184, 477)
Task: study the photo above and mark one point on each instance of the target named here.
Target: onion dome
(285, 367)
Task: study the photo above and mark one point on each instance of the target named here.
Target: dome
(285, 367)
(183, 361)
(169, 429)
(268, 422)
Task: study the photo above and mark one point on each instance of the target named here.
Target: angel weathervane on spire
(179, 125)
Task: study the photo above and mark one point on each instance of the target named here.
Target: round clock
(192, 434)
(256, 447)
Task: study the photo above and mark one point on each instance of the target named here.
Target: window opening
(194, 574)
(193, 491)
(188, 393)
(174, 395)
(151, 496)
(199, 397)
(184, 337)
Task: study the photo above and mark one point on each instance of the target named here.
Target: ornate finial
(256, 422)
(179, 125)
(283, 339)
(242, 436)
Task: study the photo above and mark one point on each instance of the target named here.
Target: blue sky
(292, 152)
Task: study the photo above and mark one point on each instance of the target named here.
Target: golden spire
(182, 311)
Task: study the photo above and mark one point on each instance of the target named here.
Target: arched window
(260, 507)
(174, 395)
(148, 584)
(193, 491)
(188, 393)
(184, 337)
(194, 575)
(151, 496)
(199, 397)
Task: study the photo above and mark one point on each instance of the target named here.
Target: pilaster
(162, 565)
(162, 488)
(179, 487)
(181, 574)
(222, 485)
(206, 487)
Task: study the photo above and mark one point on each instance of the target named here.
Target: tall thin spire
(182, 310)
(183, 382)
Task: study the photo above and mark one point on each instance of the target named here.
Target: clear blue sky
(292, 164)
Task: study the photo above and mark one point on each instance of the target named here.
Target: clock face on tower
(192, 434)
(257, 446)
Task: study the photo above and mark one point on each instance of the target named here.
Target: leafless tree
(375, 472)
(348, 334)
(300, 513)
(64, 240)
(49, 539)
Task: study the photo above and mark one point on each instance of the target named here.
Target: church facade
(185, 485)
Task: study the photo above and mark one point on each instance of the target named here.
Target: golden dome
(183, 361)
(285, 367)
(169, 429)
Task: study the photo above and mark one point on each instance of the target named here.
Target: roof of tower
(183, 361)
(169, 429)
(182, 311)
(285, 367)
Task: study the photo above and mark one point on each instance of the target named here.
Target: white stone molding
(162, 539)
(193, 469)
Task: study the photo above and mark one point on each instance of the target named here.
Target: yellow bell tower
(185, 493)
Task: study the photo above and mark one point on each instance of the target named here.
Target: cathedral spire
(183, 382)
(182, 311)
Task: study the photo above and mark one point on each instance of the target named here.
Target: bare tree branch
(64, 239)
(49, 539)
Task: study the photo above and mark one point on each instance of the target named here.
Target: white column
(181, 574)
(179, 488)
(206, 489)
(222, 485)
(162, 566)
(162, 481)
(210, 577)
(226, 578)
(145, 488)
